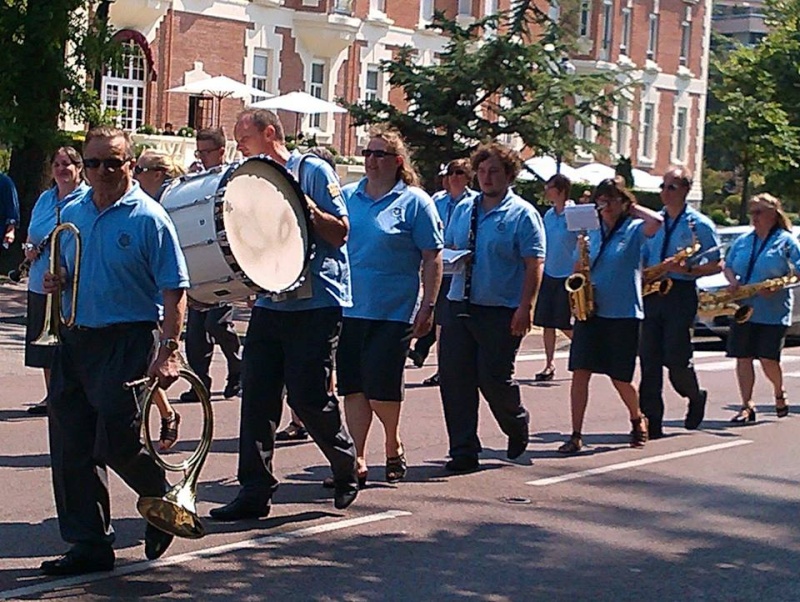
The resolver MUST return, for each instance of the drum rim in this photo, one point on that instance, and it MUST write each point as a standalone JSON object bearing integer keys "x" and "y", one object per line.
{"x": 219, "y": 225}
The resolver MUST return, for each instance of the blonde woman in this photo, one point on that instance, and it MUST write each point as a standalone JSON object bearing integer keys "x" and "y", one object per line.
{"x": 154, "y": 169}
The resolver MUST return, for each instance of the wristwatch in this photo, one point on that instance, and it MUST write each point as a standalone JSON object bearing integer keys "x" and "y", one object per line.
{"x": 171, "y": 344}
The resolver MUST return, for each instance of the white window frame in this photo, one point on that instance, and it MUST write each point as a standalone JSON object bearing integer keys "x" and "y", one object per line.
{"x": 317, "y": 88}
{"x": 426, "y": 10}
{"x": 124, "y": 91}
{"x": 554, "y": 10}
{"x": 622, "y": 129}
{"x": 583, "y": 132}
{"x": 625, "y": 41}
{"x": 607, "y": 30}
{"x": 377, "y": 7}
{"x": 647, "y": 146}
{"x": 375, "y": 93}
{"x": 680, "y": 138}
{"x": 652, "y": 36}
{"x": 464, "y": 8}
{"x": 585, "y": 19}
{"x": 259, "y": 80}
{"x": 686, "y": 38}
{"x": 490, "y": 7}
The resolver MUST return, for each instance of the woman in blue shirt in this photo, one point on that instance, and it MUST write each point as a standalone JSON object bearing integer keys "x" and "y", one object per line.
{"x": 607, "y": 342}
{"x": 552, "y": 304}
{"x": 770, "y": 250}
{"x": 68, "y": 183}
{"x": 394, "y": 229}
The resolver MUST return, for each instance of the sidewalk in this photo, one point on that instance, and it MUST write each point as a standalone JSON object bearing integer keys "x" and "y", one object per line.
{"x": 13, "y": 300}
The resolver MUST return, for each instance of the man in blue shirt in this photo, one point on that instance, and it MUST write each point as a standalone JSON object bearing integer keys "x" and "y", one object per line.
{"x": 291, "y": 341}
{"x": 491, "y": 307}
{"x": 9, "y": 210}
{"x": 666, "y": 330}
{"x": 130, "y": 260}
{"x": 457, "y": 178}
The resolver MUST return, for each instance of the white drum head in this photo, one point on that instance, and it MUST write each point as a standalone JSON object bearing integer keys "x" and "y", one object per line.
{"x": 265, "y": 225}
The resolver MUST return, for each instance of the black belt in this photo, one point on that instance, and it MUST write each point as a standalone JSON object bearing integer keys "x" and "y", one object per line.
{"x": 112, "y": 328}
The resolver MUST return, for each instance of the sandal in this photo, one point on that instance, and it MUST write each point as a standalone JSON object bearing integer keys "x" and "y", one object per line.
{"x": 292, "y": 432}
{"x": 396, "y": 468}
{"x": 782, "y": 410}
{"x": 545, "y": 375}
{"x": 638, "y": 431}
{"x": 329, "y": 483}
{"x": 573, "y": 446}
{"x": 747, "y": 414}
{"x": 169, "y": 431}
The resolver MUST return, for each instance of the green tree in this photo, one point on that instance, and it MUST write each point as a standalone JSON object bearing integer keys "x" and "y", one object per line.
{"x": 749, "y": 122}
{"x": 506, "y": 74}
{"x": 48, "y": 47}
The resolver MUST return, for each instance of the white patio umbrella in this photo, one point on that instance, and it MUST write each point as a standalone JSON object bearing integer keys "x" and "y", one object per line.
{"x": 219, "y": 87}
{"x": 545, "y": 168}
{"x": 594, "y": 173}
{"x": 645, "y": 181}
{"x": 300, "y": 103}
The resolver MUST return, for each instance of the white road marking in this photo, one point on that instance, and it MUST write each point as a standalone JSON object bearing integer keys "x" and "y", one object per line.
{"x": 563, "y": 355}
{"x": 730, "y": 363}
{"x": 636, "y": 463}
{"x": 141, "y": 567}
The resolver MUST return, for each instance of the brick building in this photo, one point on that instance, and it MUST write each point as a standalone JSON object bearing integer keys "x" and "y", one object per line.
{"x": 332, "y": 48}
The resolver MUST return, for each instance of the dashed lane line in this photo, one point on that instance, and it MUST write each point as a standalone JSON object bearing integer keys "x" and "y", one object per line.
{"x": 571, "y": 476}
{"x": 141, "y": 567}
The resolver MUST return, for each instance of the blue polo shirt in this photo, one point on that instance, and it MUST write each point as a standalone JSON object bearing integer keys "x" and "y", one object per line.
{"x": 329, "y": 269}
{"x": 559, "y": 261}
{"x": 680, "y": 238}
{"x": 617, "y": 275}
{"x": 43, "y": 220}
{"x": 506, "y": 235}
{"x": 445, "y": 203}
{"x": 129, "y": 254}
{"x": 781, "y": 250}
{"x": 387, "y": 238}
{"x": 9, "y": 202}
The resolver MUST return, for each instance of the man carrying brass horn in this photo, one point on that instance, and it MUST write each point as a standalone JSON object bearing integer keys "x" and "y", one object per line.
{"x": 129, "y": 259}
{"x": 666, "y": 338}
{"x": 769, "y": 251}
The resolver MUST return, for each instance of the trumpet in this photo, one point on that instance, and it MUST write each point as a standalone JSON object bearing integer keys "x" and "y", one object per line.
{"x": 653, "y": 278}
{"x": 579, "y": 284}
{"x": 53, "y": 316}
{"x": 176, "y": 511}
{"x": 722, "y": 303}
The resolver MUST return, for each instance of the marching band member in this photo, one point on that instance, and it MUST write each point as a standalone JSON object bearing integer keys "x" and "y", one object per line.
{"x": 458, "y": 176}
{"x": 130, "y": 263}
{"x": 292, "y": 341}
{"x": 491, "y": 307}
{"x": 395, "y": 229}
{"x": 607, "y": 342}
{"x": 552, "y": 305}
{"x": 67, "y": 171}
{"x": 154, "y": 170}
{"x": 769, "y": 251}
{"x": 666, "y": 338}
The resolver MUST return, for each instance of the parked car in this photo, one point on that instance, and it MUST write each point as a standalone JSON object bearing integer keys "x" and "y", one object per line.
{"x": 720, "y": 325}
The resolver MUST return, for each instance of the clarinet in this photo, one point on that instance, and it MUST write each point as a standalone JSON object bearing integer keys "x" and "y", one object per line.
{"x": 473, "y": 231}
{"x": 23, "y": 268}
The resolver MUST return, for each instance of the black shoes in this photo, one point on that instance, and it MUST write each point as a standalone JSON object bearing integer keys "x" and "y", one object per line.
{"x": 40, "y": 409}
{"x": 416, "y": 357}
{"x": 233, "y": 387}
{"x": 696, "y": 413}
{"x": 744, "y": 415}
{"x": 432, "y": 381}
{"x": 516, "y": 447}
{"x": 156, "y": 542}
{"x": 345, "y": 493}
{"x": 462, "y": 464}
{"x": 545, "y": 375}
{"x": 655, "y": 431}
{"x": 573, "y": 445}
{"x": 81, "y": 560}
{"x": 241, "y": 508}
{"x": 292, "y": 432}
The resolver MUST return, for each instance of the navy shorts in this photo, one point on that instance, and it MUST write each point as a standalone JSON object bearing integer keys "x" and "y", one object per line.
{"x": 552, "y": 305}
{"x": 762, "y": 341}
{"x": 606, "y": 346}
{"x": 371, "y": 358}
{"x": 36, "y": 356}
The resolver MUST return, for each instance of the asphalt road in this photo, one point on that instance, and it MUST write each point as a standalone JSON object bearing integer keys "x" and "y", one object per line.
{"x": 705, "y": 515}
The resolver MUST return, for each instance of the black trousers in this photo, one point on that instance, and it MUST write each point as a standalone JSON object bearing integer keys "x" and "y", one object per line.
{"x": 666, "y": 341}
{"x": 295, "y": 349}
{"x": 203, "y": 329}
{"x": 94, "y": 423}
{"x": 477, "y": 355}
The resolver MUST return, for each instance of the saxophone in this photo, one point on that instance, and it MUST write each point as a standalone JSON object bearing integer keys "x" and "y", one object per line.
{"x": 579, "y": 285}
{"x": 722, "y": 303}
{"x": 653, "y": 278}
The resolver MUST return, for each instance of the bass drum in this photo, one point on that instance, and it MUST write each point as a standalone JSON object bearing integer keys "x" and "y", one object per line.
{"x": 243, "y": 228}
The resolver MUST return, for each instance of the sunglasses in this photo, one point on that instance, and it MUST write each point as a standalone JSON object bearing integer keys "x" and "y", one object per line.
{"x": 112, "y": 163}
{"x": 378, "y": 154}
{"x": 457, "y": 172}
{"x": 672, "y": 187}
{"x": 140, "y": 170}
{"x": 199, "y": 153}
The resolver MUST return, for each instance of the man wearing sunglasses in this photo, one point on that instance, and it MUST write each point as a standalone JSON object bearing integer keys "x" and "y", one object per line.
{"x": 131, "y": 265}
{"x": 205, "y": 326}
{"x": 291, "y": 341}
{"x": 456, "y": 181}
{"x": 666, "y": 331}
